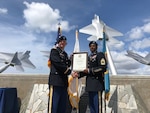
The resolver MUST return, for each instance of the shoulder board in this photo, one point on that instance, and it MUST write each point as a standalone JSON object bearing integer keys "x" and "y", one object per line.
{"x": 54, "y": 47}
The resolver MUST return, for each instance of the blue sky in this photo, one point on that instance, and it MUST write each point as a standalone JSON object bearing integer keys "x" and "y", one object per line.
{"x": 32, "y": 25}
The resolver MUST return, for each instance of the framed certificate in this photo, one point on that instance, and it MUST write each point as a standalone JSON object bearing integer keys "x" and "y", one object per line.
{"x": 79, "y": 61}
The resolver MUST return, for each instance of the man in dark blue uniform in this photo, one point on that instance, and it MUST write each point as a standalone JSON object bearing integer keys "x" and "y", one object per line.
{"x": 94, "y": 76}
{"x": 58, "y": 78}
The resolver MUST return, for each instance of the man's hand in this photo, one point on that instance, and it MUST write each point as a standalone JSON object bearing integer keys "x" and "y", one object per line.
{"x": 74, "y": 74}
{"x": 86, "y": 71}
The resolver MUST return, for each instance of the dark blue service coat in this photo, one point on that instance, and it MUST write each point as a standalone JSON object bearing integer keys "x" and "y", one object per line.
{"x": 59, "y": 69}
{"x": 97, "y": 65}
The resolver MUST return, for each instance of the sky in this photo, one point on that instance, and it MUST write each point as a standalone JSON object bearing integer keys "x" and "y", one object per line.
{"x": 32, "y": 25}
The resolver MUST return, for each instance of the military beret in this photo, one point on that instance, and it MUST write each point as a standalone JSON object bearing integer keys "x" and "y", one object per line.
{"x": 93, "y": 42}
{"x": 61, "y": 38}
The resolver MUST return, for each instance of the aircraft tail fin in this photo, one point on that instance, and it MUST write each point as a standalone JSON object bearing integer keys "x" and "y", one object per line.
{"x": 24, "y": 59}
{"x": 26, "y": 53}
{"x": 15, "y": 60}
{"x": 147, "y": 57}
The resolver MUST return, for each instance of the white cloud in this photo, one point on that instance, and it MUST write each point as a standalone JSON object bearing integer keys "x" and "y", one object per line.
{"x": 3, "y": 11}
{"x": 136, "y": 33}
{"x": 139, "y": 32}
{"x": 146, "y": 28}
{"x": 116, "y": 46}
{"x": 41, "y": 17}
{"x": 15, "y": 38}
{"x": 140, "y": 44}
{"x": 146, "y": 20}
{"x": 144, "y": 70}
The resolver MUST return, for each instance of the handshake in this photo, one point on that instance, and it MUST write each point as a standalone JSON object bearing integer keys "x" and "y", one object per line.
{"x": 75, "y": 74}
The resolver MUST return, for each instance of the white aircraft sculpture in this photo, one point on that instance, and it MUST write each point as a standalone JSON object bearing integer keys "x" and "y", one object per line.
{"x": 139, "y": 58}
{"x": 10, "y": 62}
{"x": 46, "y": 53}
{"x": 96, "y": 31}
{"x": 17, "y": 60}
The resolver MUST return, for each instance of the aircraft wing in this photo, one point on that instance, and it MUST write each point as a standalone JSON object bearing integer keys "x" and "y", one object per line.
{"x": 27, "y": 63}
{"x": 7, "y": 54}
{"x": 92, "y": 38}
{"x": 137, "y": 57}
{"x": 112, "y": 32}
{"x": 19, "y": 67}
{"x": 111, "y": 39}
{"x": 130, "y": 54}
{"x": 24, "y": 58}
{"x": 11, "y": 58}
{"x": 17, "y": 63}
{"x": 46, "y": 53}
{"x": 147, "y": 57}
{"x": 90, "y": 29}
{"x": 6, "y": 57}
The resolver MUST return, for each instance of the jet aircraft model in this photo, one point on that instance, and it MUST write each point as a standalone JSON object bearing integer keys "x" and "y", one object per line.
{"x": 96, "y": 31}
{"x": 17, "y": 60}
{"x": 139, "y": 58}
{"x": 10, "y": 62}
